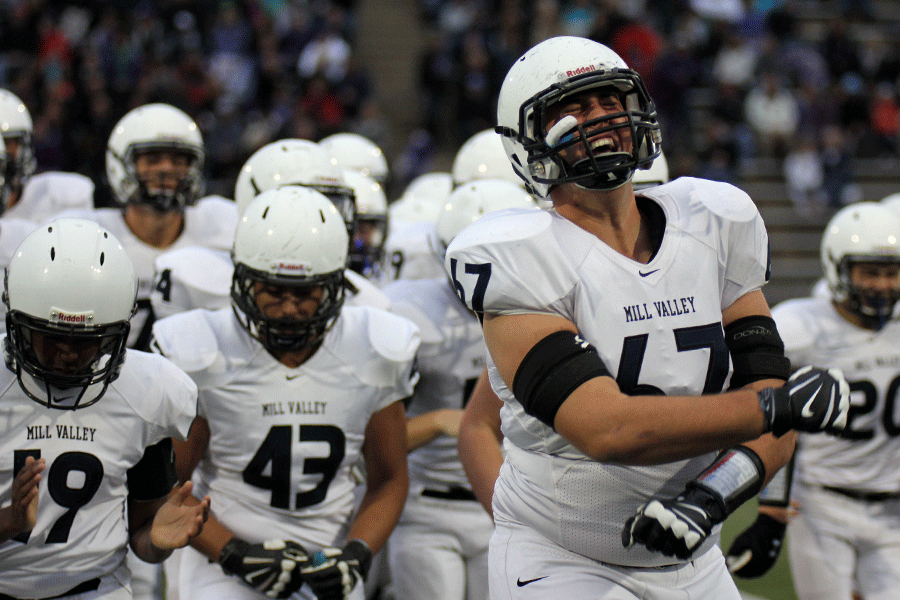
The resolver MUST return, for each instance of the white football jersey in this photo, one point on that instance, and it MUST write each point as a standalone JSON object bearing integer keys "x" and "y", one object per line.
{"x": 656, "y": 326}
{"x": 409, "y": 252}
{"x": 866, "y": 455}
{"x": 283, "y": 440}
{"x": 211, "y": 223}
{"x": 197, "y": 277}
{"x": 46, "y": 195}
{"x": 450, "y": 359}
{"x": 81, "y": 526}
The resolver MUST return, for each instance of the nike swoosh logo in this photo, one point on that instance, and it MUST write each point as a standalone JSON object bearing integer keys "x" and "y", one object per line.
{"x": 648, "y": 273}
{"x": 521, "y": 583}
{"x": 806, "y": 413}
{"x": 289, "y": 377}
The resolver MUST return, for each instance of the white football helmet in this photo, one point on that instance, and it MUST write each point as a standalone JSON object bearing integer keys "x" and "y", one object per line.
{"x": 295, "y": 162}
{"x": 892, "y": 201}
{"x": 357, "y": 153}
{"x": 15, "y": 122}
{"x": 294, "y": 237}
{"x": 154, "y": 127}
{"x": 556, "y": 69}
{"x": 423, "y": 198}
{"x": 367, "y": 245}
{"x": 482, "y": 157}
{"x": 471, "y": 201}
{"x": 861, "y": 232}
{"x": 70, "y": 283}
{"x": 657, "y": 174}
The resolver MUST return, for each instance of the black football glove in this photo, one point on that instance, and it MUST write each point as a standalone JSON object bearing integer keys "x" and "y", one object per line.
{"x": 332, "y": 573}
{"x": 754, "y": 552}
{"x": 812, "y": 400}
{"x": 676, "y": 526}
{"x": 272, "y": 567}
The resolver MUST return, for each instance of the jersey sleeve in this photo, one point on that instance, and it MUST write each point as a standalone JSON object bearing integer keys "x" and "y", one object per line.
{"x": 512, "y": 262}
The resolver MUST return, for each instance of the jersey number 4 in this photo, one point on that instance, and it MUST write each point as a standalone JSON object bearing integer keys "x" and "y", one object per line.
{"x": 276, "y": 451}
{"x": 58, "y": 479}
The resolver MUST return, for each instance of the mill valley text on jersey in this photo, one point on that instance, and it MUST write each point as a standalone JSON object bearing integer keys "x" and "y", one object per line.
{"x": 663, "y": 308}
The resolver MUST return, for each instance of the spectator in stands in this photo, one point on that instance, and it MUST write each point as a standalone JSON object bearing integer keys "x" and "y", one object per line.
{"x": 772, "y": 112}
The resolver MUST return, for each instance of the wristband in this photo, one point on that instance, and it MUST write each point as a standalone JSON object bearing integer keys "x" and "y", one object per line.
{"x": 736, "y": 476}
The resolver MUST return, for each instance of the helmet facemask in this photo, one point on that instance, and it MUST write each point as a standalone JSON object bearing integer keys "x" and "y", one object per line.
{"x": 18, "y": 169}
{"x": 285, "y": 334}
{"x": 367, "y": 244}
{"x": 596, "y": 171}
{"x": 875, "y": 308}
{"x": 185, "y": 193}
{"x": 76, "y": 386}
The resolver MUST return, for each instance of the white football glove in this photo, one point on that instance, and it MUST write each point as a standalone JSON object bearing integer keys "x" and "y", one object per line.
{"x": 272, "y": 567}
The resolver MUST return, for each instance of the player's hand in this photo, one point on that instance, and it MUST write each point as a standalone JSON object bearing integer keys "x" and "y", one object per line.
{"x": 812, "y": 400}
{"x": 23, "y": 509}
{"x": 676, "y": 526}
{"x": 756, "y": 549}
{"x": 176, "y": 523}
{"x": 271, "y": 568}
{"x": 332, "y": 573}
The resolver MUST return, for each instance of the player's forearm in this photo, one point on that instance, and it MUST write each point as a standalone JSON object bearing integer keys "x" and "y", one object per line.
{"x": 645, "y": 430}
{"x": 380, "y": 510}
{"x": 145, "y": 549}
{"x": 421, "y": 430}
{"x": 481, "y": 455}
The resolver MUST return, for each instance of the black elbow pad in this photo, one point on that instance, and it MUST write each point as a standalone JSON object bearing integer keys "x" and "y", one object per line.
{"x": 757, "y": 351}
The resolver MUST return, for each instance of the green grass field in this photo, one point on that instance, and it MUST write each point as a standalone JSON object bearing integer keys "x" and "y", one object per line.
{"x": 776, "y": 584}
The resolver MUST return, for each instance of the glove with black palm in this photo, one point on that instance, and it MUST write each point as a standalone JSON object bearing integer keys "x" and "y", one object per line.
{"x": 332, "y": 573}
{"x": 812, "y": 400}
{"x": 272, "y": 567}
{"x": 755, "y": 550}
{"x": 676, "y": 526}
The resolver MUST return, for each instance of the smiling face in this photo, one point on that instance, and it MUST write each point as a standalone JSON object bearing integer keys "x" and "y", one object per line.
{"x": 604, "y": 136}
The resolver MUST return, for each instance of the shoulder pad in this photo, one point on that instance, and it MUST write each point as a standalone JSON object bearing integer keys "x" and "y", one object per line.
{"x": 406, "y": 300}
{"x": 798, "y": 323}
{"x": 722, "y": 199}
{"x": 366, "y": 294}
{"x": 379, "y": 346}
{"x": 187, "y": 340}
{"x": 189, "y": 278}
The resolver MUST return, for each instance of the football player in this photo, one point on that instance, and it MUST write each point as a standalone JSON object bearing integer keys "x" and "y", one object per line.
{"x": 154, "y": 164}
{"x": 594, "y": 310}
{"x": 26, "y": 196}
{"x": 86, "y": 452}
{"x": 294, "y": 388}
{"x": 196, "y": 277}
{"x": 847, "y": 535}
{"x": 439, "y": 548}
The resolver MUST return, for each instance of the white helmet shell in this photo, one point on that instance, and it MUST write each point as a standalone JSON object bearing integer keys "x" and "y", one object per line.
{"x": 892, "y": 201}
{"x": 557, "y": 68}
{"x": 482, "y": 157}
{"x": 370, "y": 199}
{"x": 471, "y": 201}
{"x": 291, "y": 231}
{"x": 860, "y": 232}
{"x": 294, "y": 162}
{"x": 357, "y": 153}
{"x": 15, "y": 122}
{"x": 72, "y": 270}
{"x": 153, "y": 127}
{"x": 423, "y": 199}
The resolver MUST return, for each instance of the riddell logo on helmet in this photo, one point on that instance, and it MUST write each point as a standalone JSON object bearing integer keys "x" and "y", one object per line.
{"x": 581, "y": 70}
{"x": 284, "y": 267}
{"x": 61, "y": 316}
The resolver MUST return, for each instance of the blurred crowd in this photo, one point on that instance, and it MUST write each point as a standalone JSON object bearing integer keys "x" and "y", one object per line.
{"x": 811, "y": 83}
